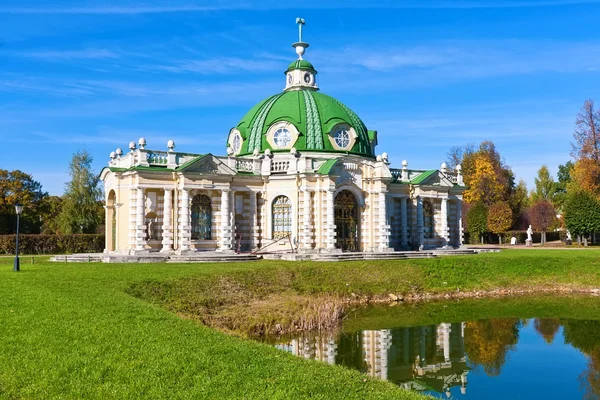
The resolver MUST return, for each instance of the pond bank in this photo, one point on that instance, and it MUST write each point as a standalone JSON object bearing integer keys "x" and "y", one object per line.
{"x": 294, "y": 296}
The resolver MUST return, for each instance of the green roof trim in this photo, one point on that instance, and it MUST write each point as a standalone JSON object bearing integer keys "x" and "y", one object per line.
{"x": 327, "y": 166}
{"x": 423, "y": 176}
{"x": 314, "y": 133}
{"x": 300, "y": 64}
{"x": 372, "y": 135}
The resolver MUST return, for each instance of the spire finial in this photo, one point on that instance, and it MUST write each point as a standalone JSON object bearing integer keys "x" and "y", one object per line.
{"x": 300, "y": 45}
{"x": 300, "y": 22}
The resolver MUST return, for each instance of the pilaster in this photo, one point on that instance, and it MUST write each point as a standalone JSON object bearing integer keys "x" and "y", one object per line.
{"x": 404, "y": 222}
{"x": 226, "y": 228}
{"x": 444, "y": 227}
{"x": 167, "y": 228}
{"x": 185, "y": 232}
{"x": 140, "y": 227}
{"x": 420, "y": 224}
{"x": 384, "y": 227}
{"x": 330, "y": 208}
{"x": 307, "y": 227}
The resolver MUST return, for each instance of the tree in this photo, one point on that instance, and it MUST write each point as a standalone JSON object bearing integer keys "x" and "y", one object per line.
{"x": 545, "y": 186}
{"x": 18, "y": 186}
{"x": 542, "y": 216}
{"x": 457, "y": 154}
{"x": 518, "y": 202}
{"x": 585, "y": 175}
{"x": 82, "y": 208}
{"x": 587, "y": 133}
{"x": 499, "y": 219}
{"x": 483, "y": 184}
{"x": 477, "y": 220}
{"x": 50, "y": 209}
{"x": 582, "y": 214}
{"x": 564, "y": 179}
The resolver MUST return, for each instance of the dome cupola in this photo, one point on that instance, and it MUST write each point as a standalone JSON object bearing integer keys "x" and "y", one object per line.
{"x": 300, "y": 74}
{"x": 301, "y": 118}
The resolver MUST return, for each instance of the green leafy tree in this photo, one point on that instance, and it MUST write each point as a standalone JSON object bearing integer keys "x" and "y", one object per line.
{"x": 564, "y": 179}
{"x": 82, "y": 207}
{"x": 50, "y": 209}
{"x": 542, "y": 216}
{"x": 545, "y": 186}
{"x": 499, "y": 219}
{"x": 582, "y": 214}
{"x": 518, "y": 202}
{"x": 18, "y": 186}
{"x": 477, "y": 221}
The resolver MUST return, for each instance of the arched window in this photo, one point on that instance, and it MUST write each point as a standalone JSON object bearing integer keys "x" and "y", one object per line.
{"x": 282, "y": 217}
{"x": 428, "y": 219}
{"x": 201, "y": 217}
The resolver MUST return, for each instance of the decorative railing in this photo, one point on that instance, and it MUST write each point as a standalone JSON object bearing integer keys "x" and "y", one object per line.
{"x": 396, "y": 174}
{"x": 156, "y": 158}
{"x": 244, "y": 165}
{"x": 280, "y": 166}
{"x": 452, "y": 176}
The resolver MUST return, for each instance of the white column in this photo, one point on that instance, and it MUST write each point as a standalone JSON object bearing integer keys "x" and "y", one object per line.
{"x": 184, "y": 221}
{"x": 167, "y": 228}
{"x": 107, "y": 229}
{"x": 404, "y": 221}
{"x": 226, "y": 229}
{"x": 330, "y": 208}
{"x": 420, "y": 225}
{"x": 132, "y": 231}
{"x": 140, "y": 227}
{"x": 255, "y": 228}
{"x": 446, "y": 340}
{"x": 461, "y": 236}
{"x": 384, "y": 228}
{"x": 445, "y": 230}
{"x": 306, "y": 218}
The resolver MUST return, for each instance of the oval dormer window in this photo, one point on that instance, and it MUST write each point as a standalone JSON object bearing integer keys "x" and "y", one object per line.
{"x": 342, "y": 137}
{"x": 237, "y": 143}
{"x": 282, "y": 137}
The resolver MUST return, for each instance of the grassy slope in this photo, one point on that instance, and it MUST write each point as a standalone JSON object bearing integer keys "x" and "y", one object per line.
{"x": 72, "y": 331}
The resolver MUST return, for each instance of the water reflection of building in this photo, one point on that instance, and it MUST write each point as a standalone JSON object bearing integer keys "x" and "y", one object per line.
{"x": 322, "y": 348}
{"x": 423, "y": 358}
{"x": 418, "y": 358}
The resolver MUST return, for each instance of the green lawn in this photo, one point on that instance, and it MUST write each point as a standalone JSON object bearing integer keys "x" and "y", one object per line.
{"x": 76, "y": 330}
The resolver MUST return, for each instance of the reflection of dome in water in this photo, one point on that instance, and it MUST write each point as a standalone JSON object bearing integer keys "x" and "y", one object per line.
{"x": 301, "y": 118}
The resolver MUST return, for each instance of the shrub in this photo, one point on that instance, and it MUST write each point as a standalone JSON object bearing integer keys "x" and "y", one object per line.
{"x": 53, "y": 244}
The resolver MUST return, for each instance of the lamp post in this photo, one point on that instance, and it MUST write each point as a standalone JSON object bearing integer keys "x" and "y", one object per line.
{"x": 18, "y": 210}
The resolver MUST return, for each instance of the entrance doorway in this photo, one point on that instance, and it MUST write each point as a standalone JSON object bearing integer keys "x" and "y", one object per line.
{"x": 347, "y": 221}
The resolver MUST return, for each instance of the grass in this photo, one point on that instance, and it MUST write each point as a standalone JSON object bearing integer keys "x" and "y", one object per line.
{"x": 112, "y": 330}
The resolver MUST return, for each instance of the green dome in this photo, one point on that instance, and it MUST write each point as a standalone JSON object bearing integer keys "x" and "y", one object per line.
{"x": 300, "y": 64}
{"x": 313, "y": 114}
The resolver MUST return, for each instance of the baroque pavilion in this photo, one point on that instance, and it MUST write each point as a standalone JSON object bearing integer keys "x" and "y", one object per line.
{"x": 301, "y": 174}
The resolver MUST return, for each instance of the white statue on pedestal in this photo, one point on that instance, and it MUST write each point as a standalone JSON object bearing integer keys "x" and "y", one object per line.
{"x": 529, "y": 233}
{"x": 569, "y": 236}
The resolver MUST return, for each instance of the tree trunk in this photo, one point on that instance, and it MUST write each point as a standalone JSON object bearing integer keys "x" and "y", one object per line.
{"x": 543, "y": 238}
{"x": 579, "y": 240}
{"x": 585, "y": 243}
{"x": 499, "y": 239}
{"x": 482, "y": 238}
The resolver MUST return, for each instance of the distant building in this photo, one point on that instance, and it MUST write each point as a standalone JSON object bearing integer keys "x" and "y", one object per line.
{"x": 301, "y": 170}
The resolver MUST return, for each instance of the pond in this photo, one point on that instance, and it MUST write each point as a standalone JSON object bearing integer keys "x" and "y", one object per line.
{"x": 525, "y": 348}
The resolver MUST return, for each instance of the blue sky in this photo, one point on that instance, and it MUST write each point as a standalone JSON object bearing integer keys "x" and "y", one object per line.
{"x": 428, "y": 75}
